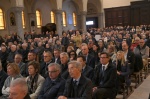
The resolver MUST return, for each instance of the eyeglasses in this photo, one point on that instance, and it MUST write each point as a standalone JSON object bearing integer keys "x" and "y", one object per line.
{"x": 52, "y": 71}
{"x": 46, "y": 56}
{"x": 103, "y": 57}
{"x": 72, "y": 54}
{"x": 141, "y": 42}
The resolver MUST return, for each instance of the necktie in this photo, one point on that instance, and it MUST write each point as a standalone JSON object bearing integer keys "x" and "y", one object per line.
{"x": 75, "y": 89}
{"x": 75, "y": 82}
{"x": 102, "y": 73}
{"x": 103, "y": 70}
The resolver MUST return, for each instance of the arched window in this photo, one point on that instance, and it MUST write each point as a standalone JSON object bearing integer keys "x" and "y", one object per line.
{"x": 74, "y": 19}
{"x": 64, "y": 19}
{"x": 38, "y": 19}
{"x": 23, "y": 19}
{"x": 52, "y": 17}
{"x": 1, "y": 19}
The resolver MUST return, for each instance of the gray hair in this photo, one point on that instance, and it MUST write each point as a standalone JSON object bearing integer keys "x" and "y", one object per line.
{"x": 20, "y": 82}
{"x": 57, "y": 66}
{"x": 65, "y": 54}
{"x": 76, "y": 64}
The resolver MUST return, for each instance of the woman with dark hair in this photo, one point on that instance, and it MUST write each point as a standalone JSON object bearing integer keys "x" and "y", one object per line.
{"x": 34, "y": 80}
{"x": 72, "y": 55}
{"x": 102, "y": 47}
{"x": 95, "y": 53}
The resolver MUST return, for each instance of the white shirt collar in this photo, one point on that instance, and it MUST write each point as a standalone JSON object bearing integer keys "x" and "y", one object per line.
{"x": 106, "y": 65}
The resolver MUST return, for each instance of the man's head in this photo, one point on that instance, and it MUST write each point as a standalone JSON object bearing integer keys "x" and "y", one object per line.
{"x": 90, "y": 43}
{"x": 82, "y": 60}
{"x": 56, "y": 53}
{"x": 13, "y": 48}
{"x": 47, "y": 56}
{"x": 110, "y": 48}
{"x": 3, "y": 48}
{"x": 137, "y": 39}
{"x": 24, "y": 46}
{"x": 74, "y": 69}
{"x": 104, "y": 58}
{"x": 18, "y": 58}
{"x": 31, "y": 56}
{"x": 54, "y": 70}
{"x": 141, "y": 43}
{"x": 125, "y": 46}
{"x": 64, "y": 58}
{"x": 84, "y": 49}
{"x": 18, "y": 89}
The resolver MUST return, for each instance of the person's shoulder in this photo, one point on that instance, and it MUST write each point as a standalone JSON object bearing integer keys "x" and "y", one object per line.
{"x": 41, "y": 77}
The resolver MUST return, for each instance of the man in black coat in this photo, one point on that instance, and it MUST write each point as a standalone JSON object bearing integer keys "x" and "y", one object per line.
{"x": 90, "y": 60}
{"x": 44, "y": 65}
{"x": 104, "y": 78}
{"x": 87, "y": 71}
{"x": 64, "y": 58}
{"x": 56, "y": 57}
{"x": 129, "y": 56}
{"x": 78, "y": 86}
{"x": 53, "y": 86}
{"x": 3, "y": 57}
{"x": 65, "y": 41}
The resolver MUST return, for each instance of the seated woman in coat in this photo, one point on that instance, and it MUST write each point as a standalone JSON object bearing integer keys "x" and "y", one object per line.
{"x": 13, "y": 72}
{"x": 34, "y": 80}
{"x": 123, "y": 69}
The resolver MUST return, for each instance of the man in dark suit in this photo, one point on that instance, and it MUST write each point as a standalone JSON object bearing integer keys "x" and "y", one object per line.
{"x": 44, "y": 65}
{"x": 3, "y": 56}
{"x": 104, "y": 78}
{"x": 129, "y": 56}
{"x": 64, "y": 58}
{"x": 18, "y": 61}
{"x": 31, "y": 57}
{"x": 87, "y": 71}
{"x": 65, "y": 41}
{"x": 3, "y": 77}
{"x": 90, "y": 61}
{"x": 53, "y": 86}
{"x": 56, "y": 57}
{"x": 78, "y": 86}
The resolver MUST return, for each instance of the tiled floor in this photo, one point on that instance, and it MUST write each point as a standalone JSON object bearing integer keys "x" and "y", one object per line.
{"x": 142, "y": 92}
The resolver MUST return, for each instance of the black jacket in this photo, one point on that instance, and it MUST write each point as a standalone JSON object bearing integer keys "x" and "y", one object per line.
{"x": 84, "y": 89}
{"x": 3, "y": 77}
{"x": 52, "y": 89}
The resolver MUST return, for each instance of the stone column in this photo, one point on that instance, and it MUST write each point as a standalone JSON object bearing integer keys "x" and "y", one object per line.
{"x": 58, "y": 14}
{"x": 19, "y": 25}
{"x": 83, "y": 21}
{"x": 101, "y": 20}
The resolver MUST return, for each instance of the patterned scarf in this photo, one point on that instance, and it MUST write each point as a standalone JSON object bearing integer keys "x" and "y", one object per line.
{"x": 32, "y": 83}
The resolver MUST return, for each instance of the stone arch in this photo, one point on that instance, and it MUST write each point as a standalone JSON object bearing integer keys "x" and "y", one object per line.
{"x": 91, "y": 9}
{"x": 97, "y": 5}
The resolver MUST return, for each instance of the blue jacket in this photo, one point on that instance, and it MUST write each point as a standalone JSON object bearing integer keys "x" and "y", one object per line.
{"x": 52, "y": 89}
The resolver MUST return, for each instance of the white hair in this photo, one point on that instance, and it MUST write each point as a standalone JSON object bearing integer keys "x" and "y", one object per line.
{"x": 20, "y": 82}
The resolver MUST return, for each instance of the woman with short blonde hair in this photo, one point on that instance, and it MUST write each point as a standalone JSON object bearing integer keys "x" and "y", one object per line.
{"x": 13, "y": 72}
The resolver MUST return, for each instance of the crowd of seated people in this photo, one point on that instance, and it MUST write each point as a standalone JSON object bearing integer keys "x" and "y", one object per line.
{"x": 74, "y": 65}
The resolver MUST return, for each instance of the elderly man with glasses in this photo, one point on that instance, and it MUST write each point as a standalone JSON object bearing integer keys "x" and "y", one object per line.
{"x": 54, "y": 84}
